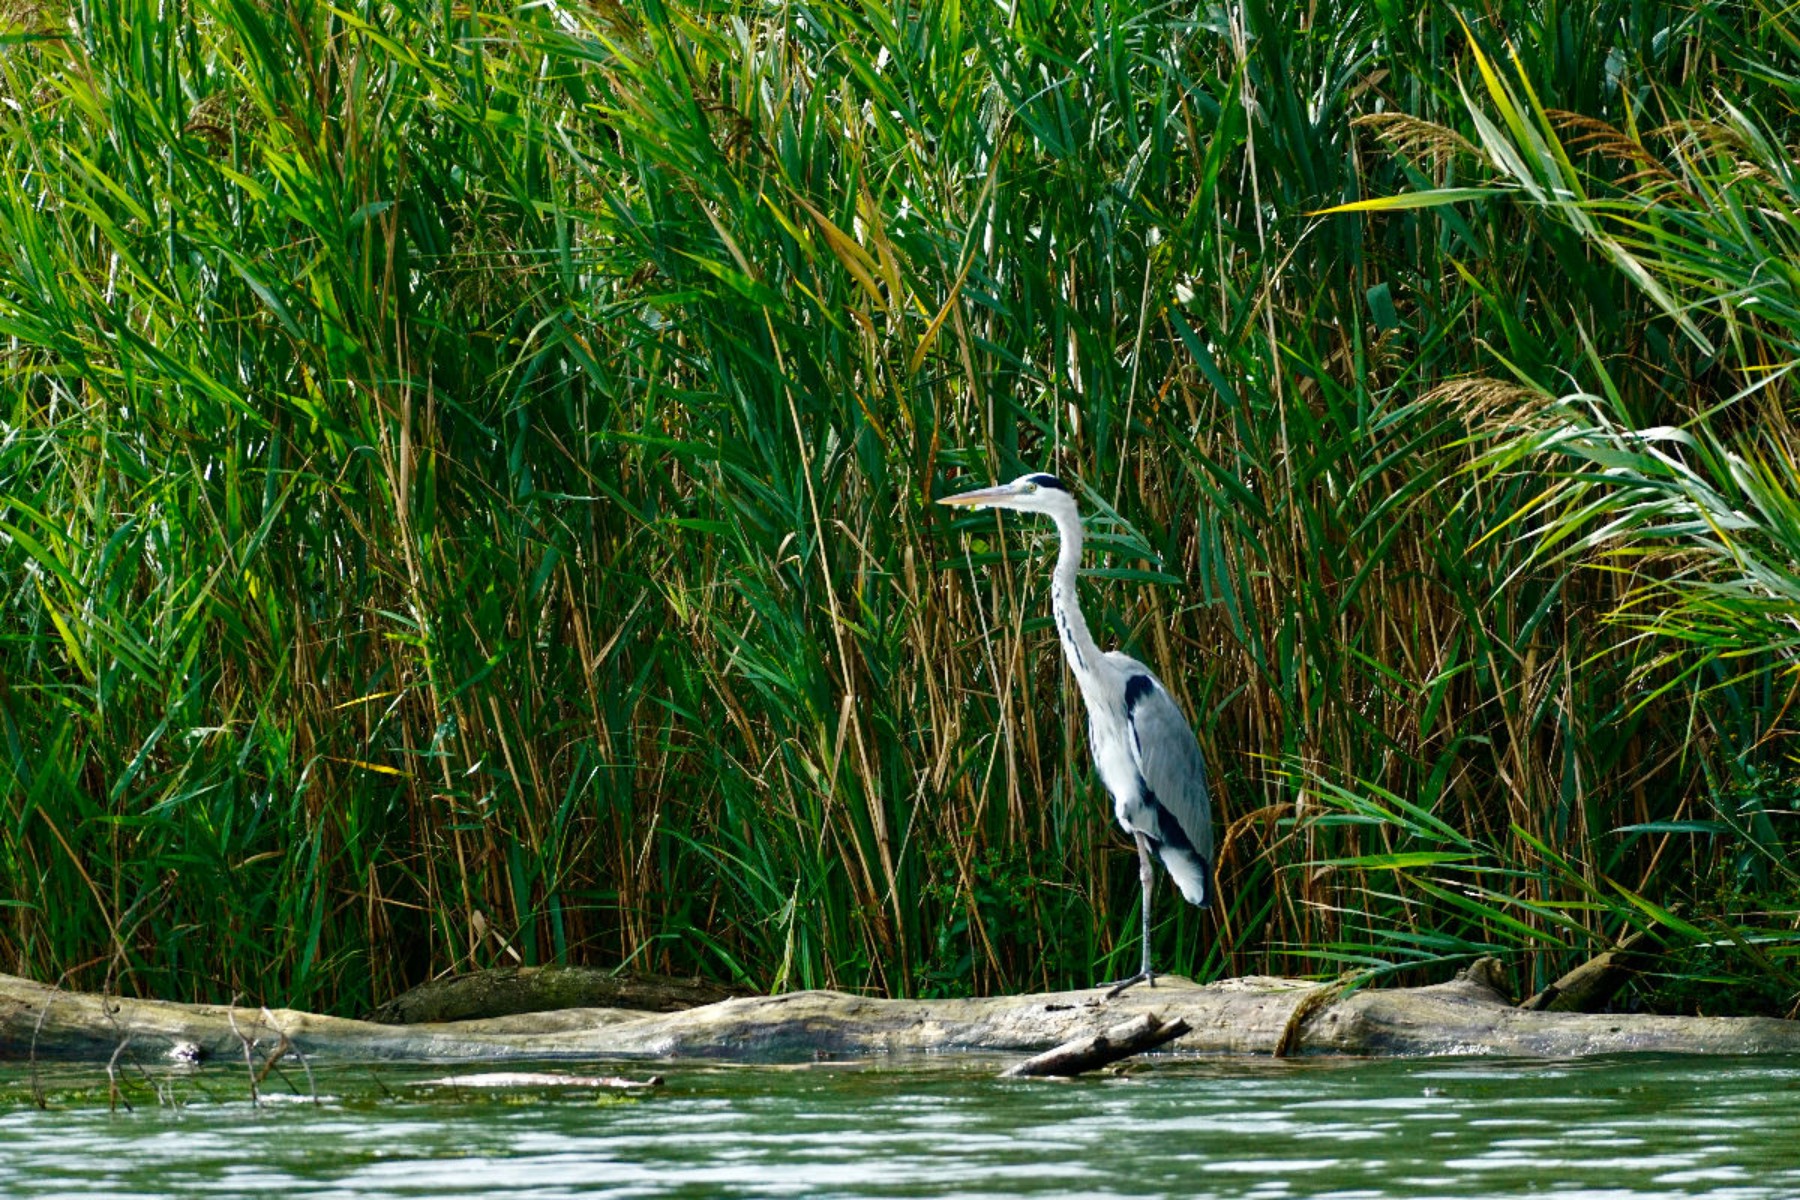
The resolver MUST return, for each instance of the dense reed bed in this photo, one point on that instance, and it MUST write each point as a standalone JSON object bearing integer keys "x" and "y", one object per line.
{"x": 465, "y": 479}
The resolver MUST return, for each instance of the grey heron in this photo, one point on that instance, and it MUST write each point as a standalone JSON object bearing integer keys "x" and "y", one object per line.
{"x": 1144, "y": 749}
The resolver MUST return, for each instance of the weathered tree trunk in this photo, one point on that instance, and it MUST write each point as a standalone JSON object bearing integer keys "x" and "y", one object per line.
{"x": 1240, "y": 1016}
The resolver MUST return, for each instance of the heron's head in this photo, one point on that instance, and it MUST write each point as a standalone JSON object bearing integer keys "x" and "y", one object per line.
{"x": 1028, "y": 493}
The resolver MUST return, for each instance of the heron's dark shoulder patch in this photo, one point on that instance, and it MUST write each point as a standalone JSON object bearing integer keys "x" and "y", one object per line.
{"x": 1137, "y": 690}
{"x": 1048, "y": 481}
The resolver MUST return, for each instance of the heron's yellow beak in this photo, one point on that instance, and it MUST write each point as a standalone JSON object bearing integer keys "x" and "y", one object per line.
{"x": 980, "y": 498}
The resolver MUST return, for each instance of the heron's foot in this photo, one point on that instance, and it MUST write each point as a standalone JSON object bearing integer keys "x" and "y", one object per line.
{"x": 1114, "y": 991}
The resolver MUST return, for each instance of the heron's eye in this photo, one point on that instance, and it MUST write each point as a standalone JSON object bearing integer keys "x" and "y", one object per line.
{"x": 1030, "y": 487}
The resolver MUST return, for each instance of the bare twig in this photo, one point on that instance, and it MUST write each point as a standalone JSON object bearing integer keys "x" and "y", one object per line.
{"x": 286, "y": 1045}
{"x": 110, "y": 1011}
{"x": 114, "y": 1095}
{"x": 281, "y": 1047}
{"x": 37, "y": 1085}
{"x": 249, "y": 1062}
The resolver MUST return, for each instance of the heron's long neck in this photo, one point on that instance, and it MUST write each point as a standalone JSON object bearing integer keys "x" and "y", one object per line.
{"x": 1071, "y": 626}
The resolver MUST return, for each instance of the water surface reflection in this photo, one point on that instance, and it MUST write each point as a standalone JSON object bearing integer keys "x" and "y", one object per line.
{"x": 1346, "y": 1130}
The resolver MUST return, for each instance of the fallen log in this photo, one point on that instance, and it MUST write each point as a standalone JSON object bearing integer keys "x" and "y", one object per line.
{"x": 1241, "y": 1016}
{"x": 1595, "y": 982}
{"x": 1096, "y": 1050}
{"x": 504, "y": 991}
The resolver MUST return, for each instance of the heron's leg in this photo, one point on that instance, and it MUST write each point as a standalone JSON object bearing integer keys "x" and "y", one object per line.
{"x": 1147, "y": 878}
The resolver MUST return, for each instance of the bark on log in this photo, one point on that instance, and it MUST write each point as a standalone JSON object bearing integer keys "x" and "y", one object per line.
{"x": 1084, "y": 1054}
{"x": 1240, "y": 1016}
{"x": 504, "y": 991}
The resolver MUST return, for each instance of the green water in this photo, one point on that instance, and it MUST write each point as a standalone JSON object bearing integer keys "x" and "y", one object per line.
{"x": 1349, "y": 1130}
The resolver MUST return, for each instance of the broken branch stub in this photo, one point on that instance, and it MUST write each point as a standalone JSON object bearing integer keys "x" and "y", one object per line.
{"x": 1593, "y": 984}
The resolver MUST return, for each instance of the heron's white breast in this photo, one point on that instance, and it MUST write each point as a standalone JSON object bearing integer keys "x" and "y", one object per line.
{"x": 1117, "y": 768}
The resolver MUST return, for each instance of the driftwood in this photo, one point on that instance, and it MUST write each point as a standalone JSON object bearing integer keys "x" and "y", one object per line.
{"x": 507, "y": 1080}
{"x": 1598, "y": 980}
{"x": 1242, "y": 1016}
{"x": 505, "y": 991}
{"x": 1084, "y": 1054}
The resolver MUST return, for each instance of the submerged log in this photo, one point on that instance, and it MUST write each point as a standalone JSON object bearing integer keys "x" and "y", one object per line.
{"x": 1084, "y": 1054}
{"x": 504, "y": 991}
{"x": 1239, "y": 1016}
{"x": 509, "y": 1080}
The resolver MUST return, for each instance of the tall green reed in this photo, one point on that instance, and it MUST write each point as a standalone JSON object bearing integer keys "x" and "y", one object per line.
{"x": 467, "y": 472}
{"x": 1682, "y": 494}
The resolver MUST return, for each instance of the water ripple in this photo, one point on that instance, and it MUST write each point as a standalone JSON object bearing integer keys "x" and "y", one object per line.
{"x": 1631, "y": 1129}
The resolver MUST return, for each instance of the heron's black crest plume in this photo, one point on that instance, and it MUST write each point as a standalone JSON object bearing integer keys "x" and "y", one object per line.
{"x": 1048, "y": 481}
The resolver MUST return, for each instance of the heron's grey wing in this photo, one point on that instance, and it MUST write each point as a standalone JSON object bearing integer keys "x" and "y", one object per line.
{"x": 1169, "y": 761}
